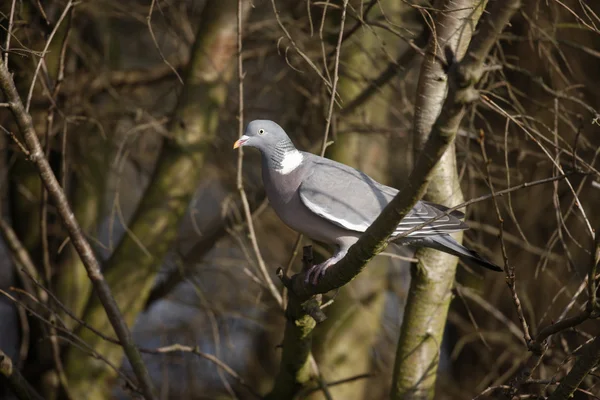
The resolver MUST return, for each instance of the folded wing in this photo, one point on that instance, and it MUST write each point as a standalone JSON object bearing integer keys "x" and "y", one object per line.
{"x": 352, "y": 200}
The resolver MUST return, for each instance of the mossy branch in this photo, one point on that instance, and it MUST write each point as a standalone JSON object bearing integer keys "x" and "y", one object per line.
{"x": 301, "y": 316}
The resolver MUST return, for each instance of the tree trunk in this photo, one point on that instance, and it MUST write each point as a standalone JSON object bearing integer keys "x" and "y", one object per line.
{"x": 419, "y": 346}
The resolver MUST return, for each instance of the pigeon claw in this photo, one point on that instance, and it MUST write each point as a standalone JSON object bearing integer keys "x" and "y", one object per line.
{"x": 315, "y": 272}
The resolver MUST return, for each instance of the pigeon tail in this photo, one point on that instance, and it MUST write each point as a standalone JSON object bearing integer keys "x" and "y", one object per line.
{"x": 448, "y": 244}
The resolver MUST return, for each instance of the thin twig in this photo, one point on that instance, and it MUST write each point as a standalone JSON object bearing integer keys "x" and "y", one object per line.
{"x": 395, "y": 69}
{"x": 149, "y": 23}
{"x": 42, "y": 11}
{"x": 336, "y": 68}
{"x": 95, "y": 83}
{"x": 179, "y": 348}
{"x": 288, "y": 266}
{"x": 509, "y": 268}
{"x": 240, "y": 183}
{"x": 71, "y": 337}
{"x": 21, "y": 256}
{"x": 361, "y": 20}
{"x": 495, "y": 106}
{"x": 595, "y": 264}
{"x": 300, "y": 52}
{"x": 9, "y": 31}
{"x": 305, "y": 393}
{"x": 588, "y": 357}
{"x": 79, "y": 241}
{"x": 489, "y": 196}
{"x": 67, "y": 9}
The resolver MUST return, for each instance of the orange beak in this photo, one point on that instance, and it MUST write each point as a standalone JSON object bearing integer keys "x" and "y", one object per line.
{"x": 240, "y": 141}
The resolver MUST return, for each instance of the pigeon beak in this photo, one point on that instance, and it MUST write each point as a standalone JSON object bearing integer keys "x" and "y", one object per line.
{"x": 240, "y": 142}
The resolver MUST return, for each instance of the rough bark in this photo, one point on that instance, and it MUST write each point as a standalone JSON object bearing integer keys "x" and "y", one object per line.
{"x": 132, "y": 267}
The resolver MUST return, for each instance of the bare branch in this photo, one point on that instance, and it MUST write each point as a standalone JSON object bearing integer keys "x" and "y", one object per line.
{"x": 239, "y": 181}
{"x": 149, "y": 23}
{"x": 294, "y": 371}
{"x": 336, "y": 78}
{"x": 396, "y": 69}
{"x": 179, "y": 348}
{"x": 81, "y": 244}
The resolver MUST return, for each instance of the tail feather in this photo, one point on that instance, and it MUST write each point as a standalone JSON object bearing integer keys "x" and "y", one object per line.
{"x": 447, "y": 244}
{"x": 455, "y": 213}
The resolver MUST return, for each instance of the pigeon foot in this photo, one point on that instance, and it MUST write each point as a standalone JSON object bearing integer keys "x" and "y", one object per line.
{"x": 316, "y": 272}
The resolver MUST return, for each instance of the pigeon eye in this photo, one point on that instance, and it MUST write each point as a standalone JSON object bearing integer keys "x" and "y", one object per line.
{"x": 261, "y": 132}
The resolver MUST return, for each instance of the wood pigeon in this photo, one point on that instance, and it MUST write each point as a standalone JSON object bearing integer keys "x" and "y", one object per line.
{"x": 334, "y": 203}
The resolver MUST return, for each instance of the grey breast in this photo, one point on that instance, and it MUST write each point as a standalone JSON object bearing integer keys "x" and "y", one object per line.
{"x": 282, "y": 192}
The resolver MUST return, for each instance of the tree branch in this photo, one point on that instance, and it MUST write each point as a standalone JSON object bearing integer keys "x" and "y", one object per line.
{"x": 301, "y": 316}
{"x": 17, "y": 383}
{"x": 95, "y": 83}
{"x": 80, "y": 243}
{"x": 592, "y": 309}
{"x": 195, "y": 255}
{"x": 179, "y": 348}
{"x": 22, "y": 258}
{"x": 589, "y": 356}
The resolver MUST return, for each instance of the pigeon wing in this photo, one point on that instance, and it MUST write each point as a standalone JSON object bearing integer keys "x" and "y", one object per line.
{"x": 352, "y": 200}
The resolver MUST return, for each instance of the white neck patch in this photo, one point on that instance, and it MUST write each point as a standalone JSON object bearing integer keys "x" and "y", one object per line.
{"x": 291, "y": 160}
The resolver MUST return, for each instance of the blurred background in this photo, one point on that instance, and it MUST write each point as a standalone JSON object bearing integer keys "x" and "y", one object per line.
{"x": 137, "y": 104}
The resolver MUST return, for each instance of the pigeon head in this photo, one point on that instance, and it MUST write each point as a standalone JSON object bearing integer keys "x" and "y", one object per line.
{"x": 276, "y": 147}
{"x": 263, "y": 134}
